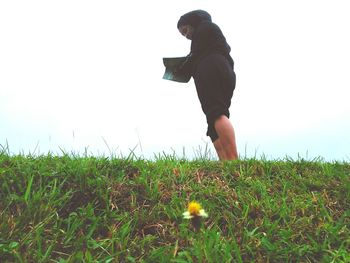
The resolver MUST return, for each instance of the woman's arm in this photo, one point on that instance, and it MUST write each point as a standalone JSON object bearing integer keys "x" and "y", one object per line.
{"x": 186, "y": 67}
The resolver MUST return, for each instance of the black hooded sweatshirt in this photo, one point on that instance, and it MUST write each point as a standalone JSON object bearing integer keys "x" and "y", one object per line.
{"x": 207, "y": 39}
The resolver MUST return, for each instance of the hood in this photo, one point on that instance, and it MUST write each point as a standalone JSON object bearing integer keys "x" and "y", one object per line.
{"x": 194, "y": 18}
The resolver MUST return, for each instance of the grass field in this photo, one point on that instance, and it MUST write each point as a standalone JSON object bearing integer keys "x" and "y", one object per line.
{"x": 87, "y": 209}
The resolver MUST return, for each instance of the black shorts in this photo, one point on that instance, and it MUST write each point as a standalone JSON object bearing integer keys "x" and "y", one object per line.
{"x": 215, "y": 82}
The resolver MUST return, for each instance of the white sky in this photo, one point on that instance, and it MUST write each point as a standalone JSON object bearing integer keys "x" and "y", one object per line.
{"x": 83, "y": 74}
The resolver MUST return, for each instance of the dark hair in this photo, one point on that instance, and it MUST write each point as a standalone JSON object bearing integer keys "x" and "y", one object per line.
{"x": 193, "y": 18}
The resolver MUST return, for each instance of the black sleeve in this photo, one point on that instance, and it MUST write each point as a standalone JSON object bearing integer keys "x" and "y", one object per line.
{"x": 185, "y": 69}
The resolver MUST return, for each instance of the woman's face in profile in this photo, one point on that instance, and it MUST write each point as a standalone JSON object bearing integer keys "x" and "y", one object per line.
{"x": 187, "y": 31}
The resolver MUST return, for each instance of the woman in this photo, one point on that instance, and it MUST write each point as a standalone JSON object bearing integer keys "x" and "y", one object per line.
{"x": 212, "y": 69}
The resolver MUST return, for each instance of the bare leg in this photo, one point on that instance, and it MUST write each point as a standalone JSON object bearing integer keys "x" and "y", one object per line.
{"x": 227, "y": 141}
{"x": 219, "y": 149}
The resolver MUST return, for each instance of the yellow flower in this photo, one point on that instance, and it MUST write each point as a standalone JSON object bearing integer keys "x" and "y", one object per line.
{"x": 194, "y": 209}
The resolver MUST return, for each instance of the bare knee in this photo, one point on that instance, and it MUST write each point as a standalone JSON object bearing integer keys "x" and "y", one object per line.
{"x": 220, "y": 119}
